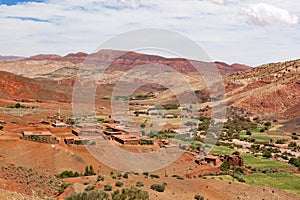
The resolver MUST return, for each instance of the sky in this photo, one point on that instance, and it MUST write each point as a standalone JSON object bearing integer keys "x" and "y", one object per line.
{"x": 251, "y": 32}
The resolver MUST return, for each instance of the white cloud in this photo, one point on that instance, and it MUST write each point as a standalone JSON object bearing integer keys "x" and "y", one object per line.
{"x": 132, "y": 3}
{"x": 61, "y": 27}
{"x": 222, "y": 2}
{"x": 265, "y": 14}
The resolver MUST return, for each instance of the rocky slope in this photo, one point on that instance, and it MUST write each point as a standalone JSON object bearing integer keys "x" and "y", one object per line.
{"x": 269, "y": 90}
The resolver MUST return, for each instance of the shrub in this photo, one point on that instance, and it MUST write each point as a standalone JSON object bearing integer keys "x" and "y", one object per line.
{"x": 154, "y": 176}
{"x": 236, "y": 153}
{"x": 295, "y": 161}
{"x": 293, "y": 137}
{"x": 132, "y": 193}
{"x": 268, "y": 123}
{"x": 119, "y": 184}
{"x": 107, "y": 187}
{"x": 139, "y": 184}
{"x": 249, "y": 133}
{"x": 67, "y": 174}
{"x": 147, "y": 142}
{"x": 262, "y": 130}
{"x": 125, "y": 175}
{"x": 91, "y": 195}
{"x": 267, "y": 154}
{"x": 100, "y": 178}
{"x": 199, "y": 197}
{"x": 292, "y": 144}
{"x": 158, "y": 187}
{"x": 90, "y": 188}
{"x": 225, "y": 166}
{"x": 146, "y": 174}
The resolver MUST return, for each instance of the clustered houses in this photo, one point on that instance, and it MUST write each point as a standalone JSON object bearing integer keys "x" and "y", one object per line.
{"x": 211, "y": 159}
{"x": 122, "y": 136}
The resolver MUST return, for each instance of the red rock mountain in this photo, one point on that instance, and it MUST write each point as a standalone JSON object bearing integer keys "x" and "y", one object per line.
{"x": 272, "y": 90}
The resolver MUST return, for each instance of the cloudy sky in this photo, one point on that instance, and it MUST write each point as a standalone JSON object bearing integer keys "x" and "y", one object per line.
{"x": 244, "y": 31}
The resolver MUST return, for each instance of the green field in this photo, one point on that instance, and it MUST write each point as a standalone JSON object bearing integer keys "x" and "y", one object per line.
{"x": 223, "y": 177}
{"x": 261, "y": 137}
{"x": 221, "y": 150}
{"x": 282, "y": 180}
{"x": 263, "y": 163}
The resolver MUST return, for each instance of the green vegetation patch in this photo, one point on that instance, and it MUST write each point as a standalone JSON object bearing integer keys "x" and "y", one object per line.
{"x": 283, "y": 180}
{"x": 221, "y": 150}
{"x": 263, "y": 163}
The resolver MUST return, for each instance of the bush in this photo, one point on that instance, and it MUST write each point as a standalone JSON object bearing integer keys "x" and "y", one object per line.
{"x": 146, "y": 174}
{"x": 147, "y": 142}
{"x": 67, "y": 174}
{"x": 154, "y": 176}
{"x": 132, "y": 193}
{"x": 236, "y": 153}
{"x": 268, "y": 123}
{"x": 262, "y": 130}
{"x": 199, "y": 197}
{"x": 91, "y": 195}
{"x": 295, "y": 161}
{"x": 292, "y": 144}
{"x": 107, "y": 187}
{"x": 90, "y": 188}
{"x": 125, "y": 175}
{"x": 119, "y": 184}
{"x": 295, "y": 137}
{"x": 158, "y": 187}
{"x": 225, "y": 166}
{"x": 100, "y": 178}
{"x": 139, "y": 184}
{"x": 267, "y": 154}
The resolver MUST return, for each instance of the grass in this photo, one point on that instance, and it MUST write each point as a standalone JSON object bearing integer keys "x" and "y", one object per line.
{"x": 262, "y": 138}
{"x": 263, "y": 163}
{"x": 283, "y": 180}
{"x": 223, "y": 177}
{"x": 221, "y": 150}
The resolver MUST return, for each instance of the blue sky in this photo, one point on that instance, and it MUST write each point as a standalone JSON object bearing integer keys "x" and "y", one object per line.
{"x": 244, "y": 31}
{"x": 13, "y": 2}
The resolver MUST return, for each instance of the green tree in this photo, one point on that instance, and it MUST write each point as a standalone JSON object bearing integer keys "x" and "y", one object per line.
{"x": 225, "y": 166}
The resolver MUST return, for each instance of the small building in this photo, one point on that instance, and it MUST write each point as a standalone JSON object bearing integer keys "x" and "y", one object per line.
{"x": 111, "y": 130}
{"x": 234, "y": 160}
{"x": 127, "y": 139}
{"x": 212, "y": 159}
{"x": 58, "y": 124}
{"x": 70, "y": 140}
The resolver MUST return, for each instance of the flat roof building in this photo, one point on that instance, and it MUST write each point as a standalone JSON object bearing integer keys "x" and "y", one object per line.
{"x": 127, "y": 139}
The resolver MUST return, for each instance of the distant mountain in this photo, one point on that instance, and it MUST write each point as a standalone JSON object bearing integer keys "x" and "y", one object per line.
{"x": 271, "y": 90}
{"x": 10, "y": 58}
{"x": 62, "y": 67}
